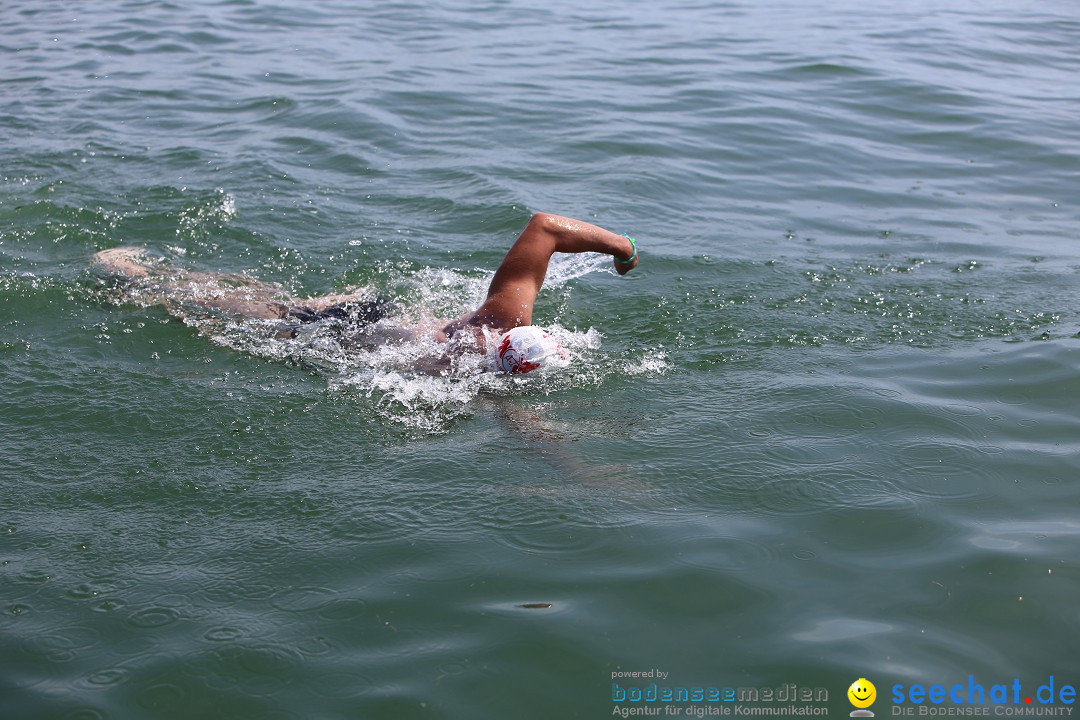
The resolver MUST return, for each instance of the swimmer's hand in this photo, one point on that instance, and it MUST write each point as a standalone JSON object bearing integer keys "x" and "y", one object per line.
{"x": 628, "y": 260}
{"x": 623, "y": 268}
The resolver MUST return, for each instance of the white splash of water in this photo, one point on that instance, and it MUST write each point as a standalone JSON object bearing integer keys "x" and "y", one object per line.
{"x": 651, "y": 362}
{"x": 564, "y": 268}
{"x": 226, "y": 206}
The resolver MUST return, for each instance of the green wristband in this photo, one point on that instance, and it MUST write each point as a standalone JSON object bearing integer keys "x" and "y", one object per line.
{"x": 633, "y": 257}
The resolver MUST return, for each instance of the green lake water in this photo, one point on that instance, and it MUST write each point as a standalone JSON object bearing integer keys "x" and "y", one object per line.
{"x": 827, "y": 430}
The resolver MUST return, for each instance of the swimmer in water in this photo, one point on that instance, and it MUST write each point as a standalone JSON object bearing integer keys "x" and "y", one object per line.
{"x": 501, "y": 327}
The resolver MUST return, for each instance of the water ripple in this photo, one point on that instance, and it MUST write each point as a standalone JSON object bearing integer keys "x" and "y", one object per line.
{"x": 830, "y": 419}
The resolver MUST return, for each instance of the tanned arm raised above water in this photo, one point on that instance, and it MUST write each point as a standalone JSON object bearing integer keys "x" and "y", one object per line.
{"x": 513, "y": 290}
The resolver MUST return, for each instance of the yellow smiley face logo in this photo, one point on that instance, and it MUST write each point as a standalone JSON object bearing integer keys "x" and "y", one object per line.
{"x": 862, "y": 693}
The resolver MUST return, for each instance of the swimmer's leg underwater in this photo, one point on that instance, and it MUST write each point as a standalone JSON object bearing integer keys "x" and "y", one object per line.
{"x": 150, "y": 280}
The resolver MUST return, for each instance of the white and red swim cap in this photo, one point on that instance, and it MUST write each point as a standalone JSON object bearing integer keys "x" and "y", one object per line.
{"x": 527, "y": 348}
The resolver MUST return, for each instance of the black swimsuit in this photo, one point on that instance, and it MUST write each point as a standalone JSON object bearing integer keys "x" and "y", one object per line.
{"x": 361, "y": 313}
{"x": 353, "y": 315}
